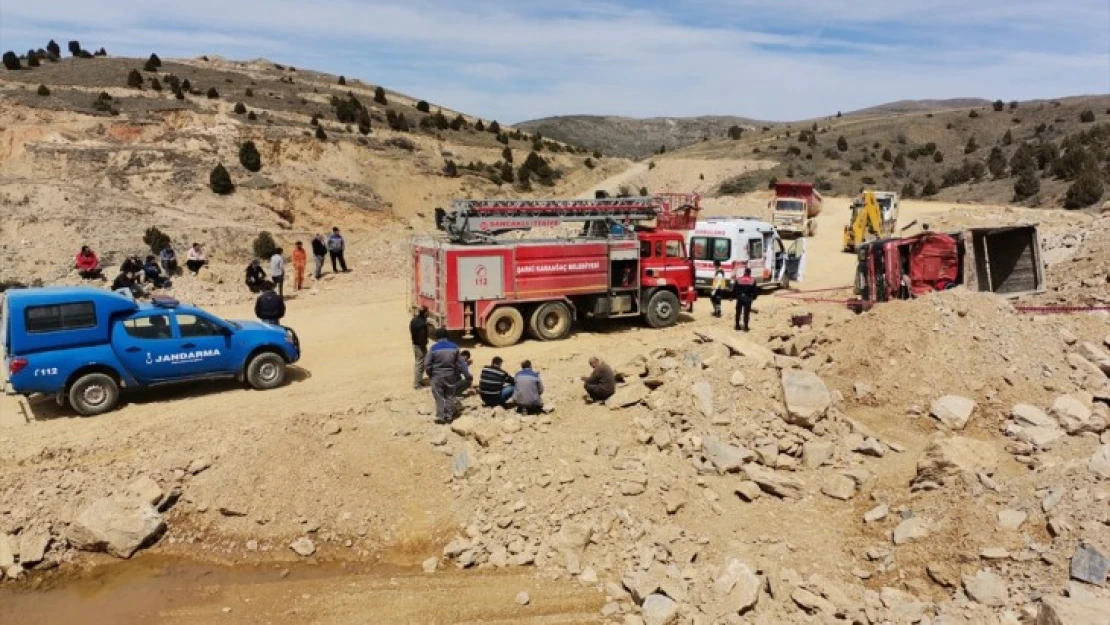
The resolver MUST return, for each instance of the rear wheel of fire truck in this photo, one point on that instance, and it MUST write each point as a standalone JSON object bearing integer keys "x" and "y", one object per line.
{"x": 662, "y": 309}
{"x": 504, "y": 327}
{"x": 93, "y": 394}
{"x": 550, "y": 322}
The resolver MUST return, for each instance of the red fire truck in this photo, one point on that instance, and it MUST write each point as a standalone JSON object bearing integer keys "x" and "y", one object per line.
{"x": 628, "y": 260}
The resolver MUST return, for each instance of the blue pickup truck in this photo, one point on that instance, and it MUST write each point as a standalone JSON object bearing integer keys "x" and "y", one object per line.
{"x": 83, "y": 345}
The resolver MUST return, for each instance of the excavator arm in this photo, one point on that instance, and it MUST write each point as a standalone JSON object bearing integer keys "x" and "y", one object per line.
{"x": 868, "y": 219}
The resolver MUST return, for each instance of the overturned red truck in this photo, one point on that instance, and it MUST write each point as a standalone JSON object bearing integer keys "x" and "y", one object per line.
{"x": 628, "y": 260}
{"x": 1005, "y": 260}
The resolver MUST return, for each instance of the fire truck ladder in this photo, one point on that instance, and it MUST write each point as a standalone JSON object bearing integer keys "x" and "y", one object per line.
{"x": 477, "y": 220}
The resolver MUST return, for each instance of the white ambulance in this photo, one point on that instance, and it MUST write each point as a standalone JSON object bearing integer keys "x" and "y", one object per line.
{"x": 741, "y": 243}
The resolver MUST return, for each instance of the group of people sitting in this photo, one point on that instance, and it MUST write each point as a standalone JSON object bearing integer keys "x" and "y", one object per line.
{"x": 133, "y": 272}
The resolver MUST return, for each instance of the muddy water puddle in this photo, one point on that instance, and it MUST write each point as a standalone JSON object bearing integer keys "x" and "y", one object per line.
{"x": 154, "y": 589}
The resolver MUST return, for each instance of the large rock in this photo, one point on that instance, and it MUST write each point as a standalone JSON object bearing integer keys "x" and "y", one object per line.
{"x": 659, "y": 610}
{"x": 7, "y": 551}
{"x": 1095, "y": 355}
{"x": 953, "y": 411}
{"x": 726, "y": 458}
{"x": 1073, "y": 611}
{"x": 146, "y": 489}
{"x": 628, "y": 395}
{"x": 1026, "y": 415}
{"x": 839, "y": 486}
{"x": 774, "y": 482}
{"x": 303, "y": 546}
{"x": 986, "y": 588}
{"x": 816, "y": 453}
{"x": 33, "y": 545}
{"x": 948, "y": 457}
{"x": 806, "y": 396}
{"x": 1099, "y": 464}
{"x": 739, "y": 346}
{"x": 118, "y": 525}
{"x": 1073, "y": 415}
{"x": 913, "y": 528}
{"x": 1089, "y": 565}
{"x": 739, "y": 584}
{"x": 703, "y": 397}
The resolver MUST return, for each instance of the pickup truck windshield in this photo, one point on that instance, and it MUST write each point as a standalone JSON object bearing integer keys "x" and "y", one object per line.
{"x": 790, "y": 205}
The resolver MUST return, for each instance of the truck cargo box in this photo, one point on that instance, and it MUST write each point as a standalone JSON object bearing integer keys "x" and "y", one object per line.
{"x": 1005, "y": 260}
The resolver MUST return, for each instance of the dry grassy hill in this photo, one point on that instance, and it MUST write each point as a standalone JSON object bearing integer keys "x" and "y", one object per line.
{"x": 635, "y": 138}
{"x": 96, "y": 150}
{"x": 964, "y": 154}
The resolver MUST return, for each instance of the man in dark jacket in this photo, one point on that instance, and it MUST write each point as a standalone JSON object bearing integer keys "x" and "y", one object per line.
{"x": 528, "y": 395}
{"x": 602, "y": 382}
{"x": 418, "y": 331}
{"x": 442, "y": 366}
{"x": 495, "y": 385}
{"x": 466, "y": 379}
{"x": 256, "y": 276}
{"x": 319, "y": 253}
{"x": 745, "y": 291}
{"x": 269, "y": 307}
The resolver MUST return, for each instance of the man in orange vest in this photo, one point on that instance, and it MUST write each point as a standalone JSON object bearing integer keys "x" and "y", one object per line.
{"x": 300, "y": 260}
{"x": 745, "y": 290}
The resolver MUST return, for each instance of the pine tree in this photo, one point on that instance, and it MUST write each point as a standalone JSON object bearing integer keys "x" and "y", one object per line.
{"x": 841, "y": 142}
{"x": 507, "y": 154}
{"x": 53, "y": 48}
{"x": 220, "y": 180}
{"x": 320, "y": 134}
{"x": 152, "y": 64}
{"x": 379, "y": 96}
{"x": 423, "y": 107}
{"x": 1007, "y": 138}
{"x": 930, "y": 188}
{"x": 135, "y": 79}
{"x": 249, "y": 157}
{"x": 212, "y": 93}
{"x": 1027, "y": 185}
{"x": 996, "y": 163}
{"x": 43, "y": 91}
{"x": 240, "y": 108}
{"x": 11, "y": 61}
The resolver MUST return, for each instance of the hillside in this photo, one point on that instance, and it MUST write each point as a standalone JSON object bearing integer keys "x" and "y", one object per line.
{"x": 87, "y": 159}
{"x": 963, "y": 155}
{"x": 634, "y": 138}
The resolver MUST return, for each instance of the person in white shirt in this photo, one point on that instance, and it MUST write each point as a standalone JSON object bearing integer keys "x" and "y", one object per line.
{"x": 277, "y": 271}
{"x": 195, "y": 259}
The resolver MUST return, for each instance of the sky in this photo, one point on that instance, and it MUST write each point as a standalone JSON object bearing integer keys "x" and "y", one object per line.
{"x": 776, "y": 60}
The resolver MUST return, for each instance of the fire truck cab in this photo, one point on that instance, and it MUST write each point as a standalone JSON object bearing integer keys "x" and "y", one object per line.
{"x": 498, "y": 289}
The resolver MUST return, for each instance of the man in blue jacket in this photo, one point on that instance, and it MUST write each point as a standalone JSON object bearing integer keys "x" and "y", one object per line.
{"x": 442, "y": 366}
{"x": 528, "y": 395}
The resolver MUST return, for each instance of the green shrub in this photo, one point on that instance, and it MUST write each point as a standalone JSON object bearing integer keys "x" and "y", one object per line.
{"x": 494, "y": 128}
{"x": 1087, "y": 117}
{"x": 43, "y": 91}
{"x": 899, "y": 162}
{"x": 32, "y": 59}
{"x": 996, "y": 163}
{"x": 212, "y": 93}
{"x": 930, "y": 188}
{"x": 909, "y": 190}
{"x": 251, "y": 116}
{"x": 973, "y": 114}
{"x": 155, "y": 84}
{"x": 320, "y": 134}
{"x": 364, "y": 121}
{"x": 1074, "y": 162}
{"x": 152, "y": 64}
{"x": 735, "y": 132}
{"x": 135, "y": 79}
{"x": 842, "y": 144}
{"x": 971, "y": 146}
{"x": 240, "y": 108}
{"x": 156, "y": 239}
{"x": 53, "y": 48}
{"x": 507, "y": 154}
{"x": 507, "y": 172}
{"x": 342, "y": 80}
{"x": 1085, "y": 191}
{"x": 1027, "y": 184}
{"x": 450, "y": 169}
{"x": 74, "y": 48}
{"x": 263, "y": 246}
{"x": 998, "y": 106}
{"x": 249, "y": 157}
{"x": 589, "y": 163}
{"x": 1007, "y": 138}
{"x": 379, "y": 96}
{"x": 423, "y": 107}
{"x": 938, "y": 157}
{"x": 220, "y": 180}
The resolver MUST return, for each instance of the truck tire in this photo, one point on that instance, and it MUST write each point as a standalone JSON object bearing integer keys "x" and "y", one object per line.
{"x": 550, "y": 321}
{"x": 266, "y": 371}
{"x": 93, "y": 394}
{"x": 504, "y": 327}
{"x": 662, "y": 309}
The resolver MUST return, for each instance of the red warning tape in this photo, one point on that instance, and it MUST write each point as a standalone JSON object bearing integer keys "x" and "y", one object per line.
{"x": 1060, "y": 309}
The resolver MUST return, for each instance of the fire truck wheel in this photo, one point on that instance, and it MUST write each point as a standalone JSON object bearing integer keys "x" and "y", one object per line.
{"x": 662, "y": 309}
{"x": 550, "y": 322}
{"x": 504, "y": 327}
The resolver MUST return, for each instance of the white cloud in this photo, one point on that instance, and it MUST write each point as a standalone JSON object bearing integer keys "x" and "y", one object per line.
{"x": 772, "y": 59}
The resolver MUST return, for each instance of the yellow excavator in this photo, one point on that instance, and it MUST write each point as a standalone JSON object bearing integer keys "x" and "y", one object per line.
{"x": 874, "y": 216}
